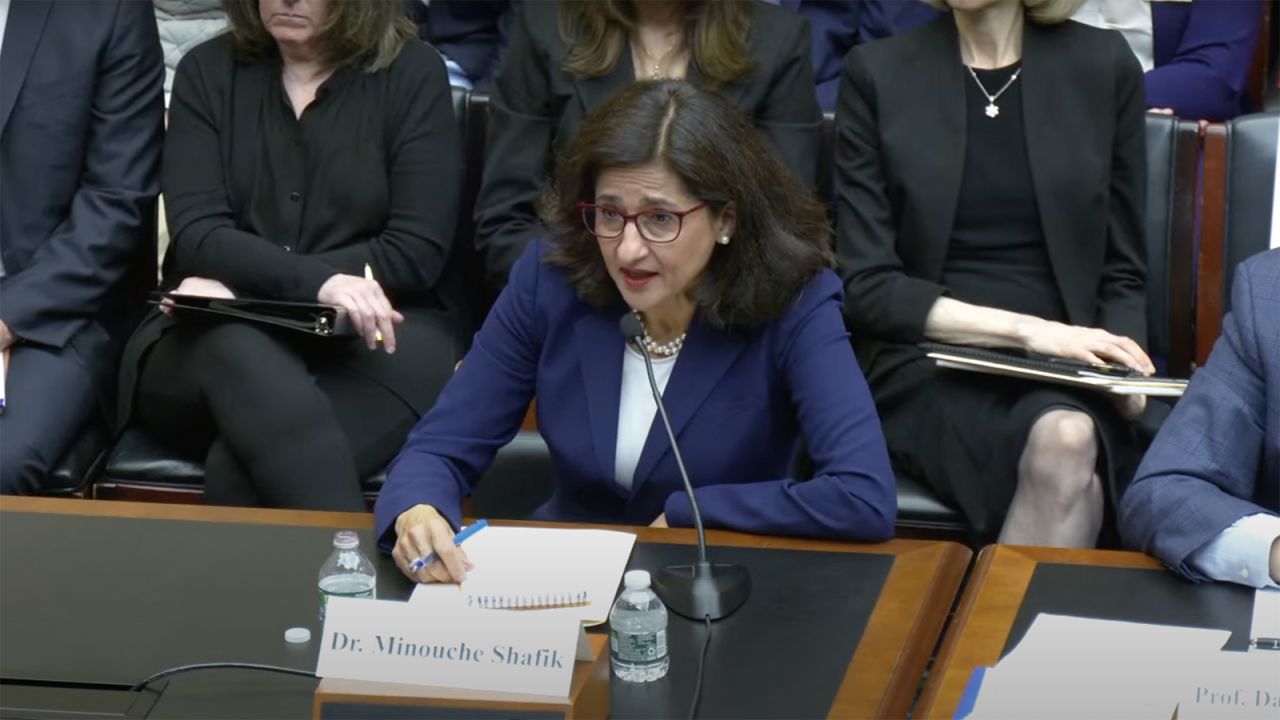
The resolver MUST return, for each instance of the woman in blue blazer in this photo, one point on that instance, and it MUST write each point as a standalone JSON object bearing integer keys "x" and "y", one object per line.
{"x": 667, "y": 205}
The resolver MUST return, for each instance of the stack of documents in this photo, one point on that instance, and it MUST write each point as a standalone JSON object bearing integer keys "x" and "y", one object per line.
{"x": 1114, "y": 379}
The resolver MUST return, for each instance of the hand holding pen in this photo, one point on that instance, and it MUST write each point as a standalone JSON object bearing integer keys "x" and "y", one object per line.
{"x": 366, "y": 305}
{"x": 426, "y": 548}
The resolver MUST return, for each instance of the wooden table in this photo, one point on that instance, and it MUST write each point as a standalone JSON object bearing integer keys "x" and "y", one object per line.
{"x": 998, "y": 586}
{"x": 880, "y": 680}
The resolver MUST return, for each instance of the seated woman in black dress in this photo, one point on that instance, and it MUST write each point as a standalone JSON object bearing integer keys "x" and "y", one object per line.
{"x": 990, "y": 175}
{"x": 566, "y": 58}
{"x": 313, "y": 143}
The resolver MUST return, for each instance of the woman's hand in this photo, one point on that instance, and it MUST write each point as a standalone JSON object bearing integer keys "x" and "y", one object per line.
{"x": 367, "y": 307}
{"x": 1086, "y": 344}
{"x": 420, "y": 531}
{"x": 199, "y": 287}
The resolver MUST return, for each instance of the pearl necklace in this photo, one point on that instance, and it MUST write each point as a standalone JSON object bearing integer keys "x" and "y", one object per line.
{"x": 655, "y": 349}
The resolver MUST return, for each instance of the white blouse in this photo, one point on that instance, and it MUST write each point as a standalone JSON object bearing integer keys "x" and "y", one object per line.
{"x": 637, "y": 410}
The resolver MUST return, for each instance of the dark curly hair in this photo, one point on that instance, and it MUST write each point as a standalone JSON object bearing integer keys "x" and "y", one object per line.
{"x": 782, "y": 238}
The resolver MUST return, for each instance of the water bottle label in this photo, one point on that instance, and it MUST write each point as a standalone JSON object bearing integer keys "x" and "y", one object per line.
{"x": 324, "y": 596}
{"x": 638, "y": 647}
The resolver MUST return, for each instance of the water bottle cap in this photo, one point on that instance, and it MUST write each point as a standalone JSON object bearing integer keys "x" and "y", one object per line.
{"x": 346, "y": 539}
{"x": 636, "y": 579}
{"x": 297, "y": 635}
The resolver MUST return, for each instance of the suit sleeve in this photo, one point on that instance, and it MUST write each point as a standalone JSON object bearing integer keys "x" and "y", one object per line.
{"x": 1201, "y": 470}
{"x": 477, "y": 413}
{"x": 103, "y": 232}
{"x": 852, "y": 494}
{"x": 790, "y": 118}
{"x": 1205, "y": 78}
{"x": 410, "y": 253}
{"x": 881, "y": 299}
{"x": 202, "y": 226}
{"x": 518, "y": 155}
{"x": 1122, "y": 288}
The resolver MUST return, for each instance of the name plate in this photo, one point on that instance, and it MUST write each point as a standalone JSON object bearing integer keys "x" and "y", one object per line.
{"x": 1233, "y": 685}
{"x": 494, "y": 650}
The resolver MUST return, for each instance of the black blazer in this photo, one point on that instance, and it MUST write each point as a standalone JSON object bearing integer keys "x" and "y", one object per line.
{"x": 81, "y": 124}
{"x": 536, "y": 109}
{"x": 900, "y": 159}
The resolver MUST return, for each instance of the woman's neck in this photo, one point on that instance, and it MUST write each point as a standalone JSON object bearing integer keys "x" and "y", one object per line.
{"x": 668, "y": 323}
{"x": 305, "y": 65}
{"x": 991, "y": 37}
{"x": 658, "y": 14}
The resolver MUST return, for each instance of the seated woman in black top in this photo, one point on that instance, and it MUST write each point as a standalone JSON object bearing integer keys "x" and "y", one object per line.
{"x": 311, "y": 142}
{"x": 990, "y": 174}
{"x": 565, "y": 58}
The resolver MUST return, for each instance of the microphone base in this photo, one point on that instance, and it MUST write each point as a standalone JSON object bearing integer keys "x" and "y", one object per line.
{"x": 703, "y": 590}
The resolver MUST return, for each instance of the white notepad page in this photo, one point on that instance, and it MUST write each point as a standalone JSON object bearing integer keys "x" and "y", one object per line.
{"x": 512, "y": 562}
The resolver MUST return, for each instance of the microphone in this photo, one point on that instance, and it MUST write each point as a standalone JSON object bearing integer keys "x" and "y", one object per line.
{"x": 702, "y": 590}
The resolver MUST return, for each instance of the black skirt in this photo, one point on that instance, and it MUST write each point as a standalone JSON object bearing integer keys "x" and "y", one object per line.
{"x": 962, "y": 434}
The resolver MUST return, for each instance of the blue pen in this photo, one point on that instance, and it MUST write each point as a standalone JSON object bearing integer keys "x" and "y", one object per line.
{"x": 467, "y": 532}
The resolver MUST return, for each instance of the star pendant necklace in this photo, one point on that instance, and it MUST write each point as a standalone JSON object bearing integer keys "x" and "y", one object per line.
{"x": 992, "y": 109}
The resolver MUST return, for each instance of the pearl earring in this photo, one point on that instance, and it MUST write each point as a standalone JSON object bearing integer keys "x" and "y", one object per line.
{"x": 724, "y": 240}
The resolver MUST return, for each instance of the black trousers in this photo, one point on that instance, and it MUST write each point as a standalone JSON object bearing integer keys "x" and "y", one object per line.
{"x": 281, "y": 419}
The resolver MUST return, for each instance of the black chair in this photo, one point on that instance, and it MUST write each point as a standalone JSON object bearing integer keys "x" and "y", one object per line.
{"x": 140, "y": 468}
{"x": 1172, "y": 155}
{"x": 1239, "y": 182}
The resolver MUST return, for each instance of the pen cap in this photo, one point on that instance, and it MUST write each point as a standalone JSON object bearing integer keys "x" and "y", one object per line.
{"x": 636, "y": 579}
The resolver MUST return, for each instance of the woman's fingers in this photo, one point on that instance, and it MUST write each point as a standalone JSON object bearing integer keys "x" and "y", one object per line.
{"x": 448, "y": 554}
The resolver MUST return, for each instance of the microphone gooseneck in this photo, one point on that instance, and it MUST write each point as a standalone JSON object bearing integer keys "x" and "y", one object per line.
{"x": 701, "y": 591}
{"x": 633, "y": 331}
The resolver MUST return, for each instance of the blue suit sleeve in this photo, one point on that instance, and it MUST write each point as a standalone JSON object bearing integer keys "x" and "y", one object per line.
{"x": 1205, "y": 78}
{"x": 1196, "y": 478}
{"x": 102, "y": 233}
{"x": 852, "y": 494}
{"x": 477, "y": 413}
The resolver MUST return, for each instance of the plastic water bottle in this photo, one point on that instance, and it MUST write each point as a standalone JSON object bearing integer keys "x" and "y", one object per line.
{"x": 638, "y": 631}
{"x": 347, "y": 572}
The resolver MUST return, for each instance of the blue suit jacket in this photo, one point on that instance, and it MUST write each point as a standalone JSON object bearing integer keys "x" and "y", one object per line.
{"x": 1217, "y": 457}
{"x": 81, "y": 126}
{"x": 738, "y": 403}
{"x": 1203, "y": 52}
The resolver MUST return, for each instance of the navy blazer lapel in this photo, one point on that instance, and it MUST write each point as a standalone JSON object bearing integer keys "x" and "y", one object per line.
{"x": 21, "y": 35}
{"x": 942, "y": 137}
{"x": 705, "y": 357}
{"x": 599, "y": 346}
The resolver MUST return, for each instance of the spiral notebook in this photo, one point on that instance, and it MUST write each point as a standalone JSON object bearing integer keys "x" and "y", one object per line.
{"x": 549, "y": 570}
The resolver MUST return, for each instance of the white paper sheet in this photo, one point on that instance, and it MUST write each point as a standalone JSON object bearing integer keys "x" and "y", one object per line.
{"x": 1070, "y": 667}
{"x": 533, "y": 562}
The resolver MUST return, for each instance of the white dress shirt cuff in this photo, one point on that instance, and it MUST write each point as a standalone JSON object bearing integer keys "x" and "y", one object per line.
{"x": 1241, "y": 553}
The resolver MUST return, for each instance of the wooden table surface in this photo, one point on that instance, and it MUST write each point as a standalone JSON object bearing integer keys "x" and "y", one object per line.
{"x": 886, "y": 668}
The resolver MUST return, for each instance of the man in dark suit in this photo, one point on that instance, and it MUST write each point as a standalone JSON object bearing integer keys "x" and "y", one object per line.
{"x": 1206, "y": 500}
{"x": 81, "y": 126}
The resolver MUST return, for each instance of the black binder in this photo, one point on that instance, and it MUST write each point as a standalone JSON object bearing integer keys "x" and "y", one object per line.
{"x": 310, "y": 318}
